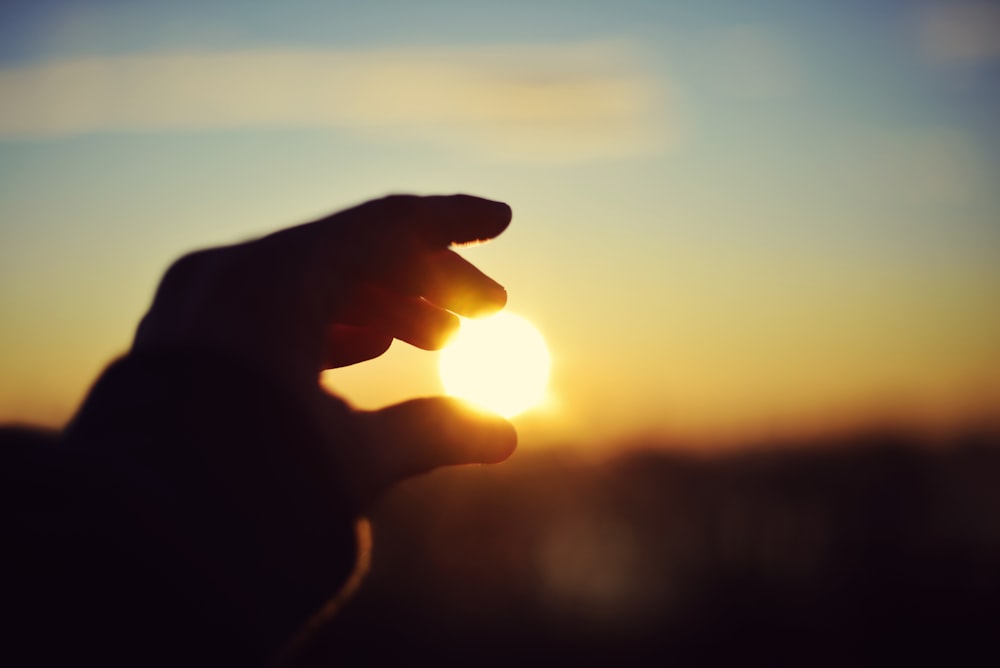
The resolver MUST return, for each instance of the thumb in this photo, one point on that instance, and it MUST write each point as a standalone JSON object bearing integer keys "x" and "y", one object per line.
{"x": 419, "y": 435}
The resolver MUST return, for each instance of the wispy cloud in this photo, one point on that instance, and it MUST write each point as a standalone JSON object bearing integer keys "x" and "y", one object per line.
{"x": 556, "y": 102}
{"x": 961, "y": 32}
{"x": 917, "y": 165}
{"x": 754, "y": 61}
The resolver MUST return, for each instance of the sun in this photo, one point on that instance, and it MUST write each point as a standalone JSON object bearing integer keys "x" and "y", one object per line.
{"x": 499, "y": 363}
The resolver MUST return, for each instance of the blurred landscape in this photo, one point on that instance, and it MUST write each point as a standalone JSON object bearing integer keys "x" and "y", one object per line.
{"x": 879, "y": 549}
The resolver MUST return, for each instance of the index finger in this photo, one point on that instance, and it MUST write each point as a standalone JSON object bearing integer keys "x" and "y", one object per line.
{"x": 401, "y": 243}
{"x": 437, "y": 221}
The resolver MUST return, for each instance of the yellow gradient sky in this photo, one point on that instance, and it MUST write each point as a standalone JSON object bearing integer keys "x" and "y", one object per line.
{"x": 730, "y": 218}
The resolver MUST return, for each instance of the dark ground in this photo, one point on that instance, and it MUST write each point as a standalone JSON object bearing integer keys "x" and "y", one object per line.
{"x": 876, "y": 550}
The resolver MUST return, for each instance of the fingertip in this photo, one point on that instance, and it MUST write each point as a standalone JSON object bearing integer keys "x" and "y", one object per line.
{"x": 444, "y": 333}
{"x": 494, "y": 209}
{"x": 494, "y": 218}
{"x": 434, "y": 331}
{"x": 505, "y": 443}
{"x": 420, "y": 435}
{"x": 497, "y": 299}
{"x": 490, "y": 437}
{"x": 452, "y": 282}
{"x": 462, "y": 220}
{"x": 502, "y": 211}
{"x": 348, "y": 344}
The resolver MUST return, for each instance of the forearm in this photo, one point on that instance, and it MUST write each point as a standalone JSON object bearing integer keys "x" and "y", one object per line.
{"x": 210, "y": 512}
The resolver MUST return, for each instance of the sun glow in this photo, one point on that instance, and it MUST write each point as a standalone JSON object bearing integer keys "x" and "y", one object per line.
{"x": 500, "y": 363}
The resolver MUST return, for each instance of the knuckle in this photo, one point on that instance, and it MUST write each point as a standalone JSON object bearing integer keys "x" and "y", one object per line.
{"x": 187, "y": 269}
{"x": 398, "y": 207}
{"x": 197, "y": 272}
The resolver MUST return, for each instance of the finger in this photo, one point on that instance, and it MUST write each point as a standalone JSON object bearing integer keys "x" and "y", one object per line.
{"x": 410, "y": 254}
{"x": 410, "y": 319}
{"x": 449, "y": 281}
{"x": 437, "y": 220}
{"x": 352, "y": 239}
{"x": 387, "y": 242}
{"x": 463, "y": 219}
{"x": 420, "y": 435}
{"x": 348, "y": 344}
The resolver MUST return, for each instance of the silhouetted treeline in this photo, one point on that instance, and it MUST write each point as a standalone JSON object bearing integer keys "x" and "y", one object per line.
{"x": 872, "y": 551}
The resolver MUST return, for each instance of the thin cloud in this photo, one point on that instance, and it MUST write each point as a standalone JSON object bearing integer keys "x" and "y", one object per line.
{"x": 961, "y": 33}
{"x": 929, "y": 165}
{"x": 908, "y": 166}
{"x": 752, "y": 61}
{"x": 562, "y": 102}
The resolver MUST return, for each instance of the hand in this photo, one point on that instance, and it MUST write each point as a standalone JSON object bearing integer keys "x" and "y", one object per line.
{"x": 336, "y": 292}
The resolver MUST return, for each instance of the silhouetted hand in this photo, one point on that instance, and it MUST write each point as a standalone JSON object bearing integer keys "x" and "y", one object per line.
{"x": 336, "y": 292}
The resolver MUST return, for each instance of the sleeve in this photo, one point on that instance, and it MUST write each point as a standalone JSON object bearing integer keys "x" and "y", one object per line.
{"x": 189, "y": 514}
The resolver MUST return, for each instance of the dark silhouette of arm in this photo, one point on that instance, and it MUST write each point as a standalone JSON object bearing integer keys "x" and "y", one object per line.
{"x": 202, "y": 505}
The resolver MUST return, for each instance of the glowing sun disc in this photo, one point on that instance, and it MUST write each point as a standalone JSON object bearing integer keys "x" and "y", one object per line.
{"x": 499, "y": 363}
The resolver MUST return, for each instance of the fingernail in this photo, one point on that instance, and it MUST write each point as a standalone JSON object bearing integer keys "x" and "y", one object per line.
{"x": 491, "y": 300}
{"x": 446, "y": 332}
{"x": 503, "y": 211}
{"x": 496, "y": 442}
{"x": 491, "y": 436}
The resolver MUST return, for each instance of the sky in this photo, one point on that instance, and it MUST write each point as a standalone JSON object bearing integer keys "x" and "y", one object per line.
{"x": 732, "y": 220}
